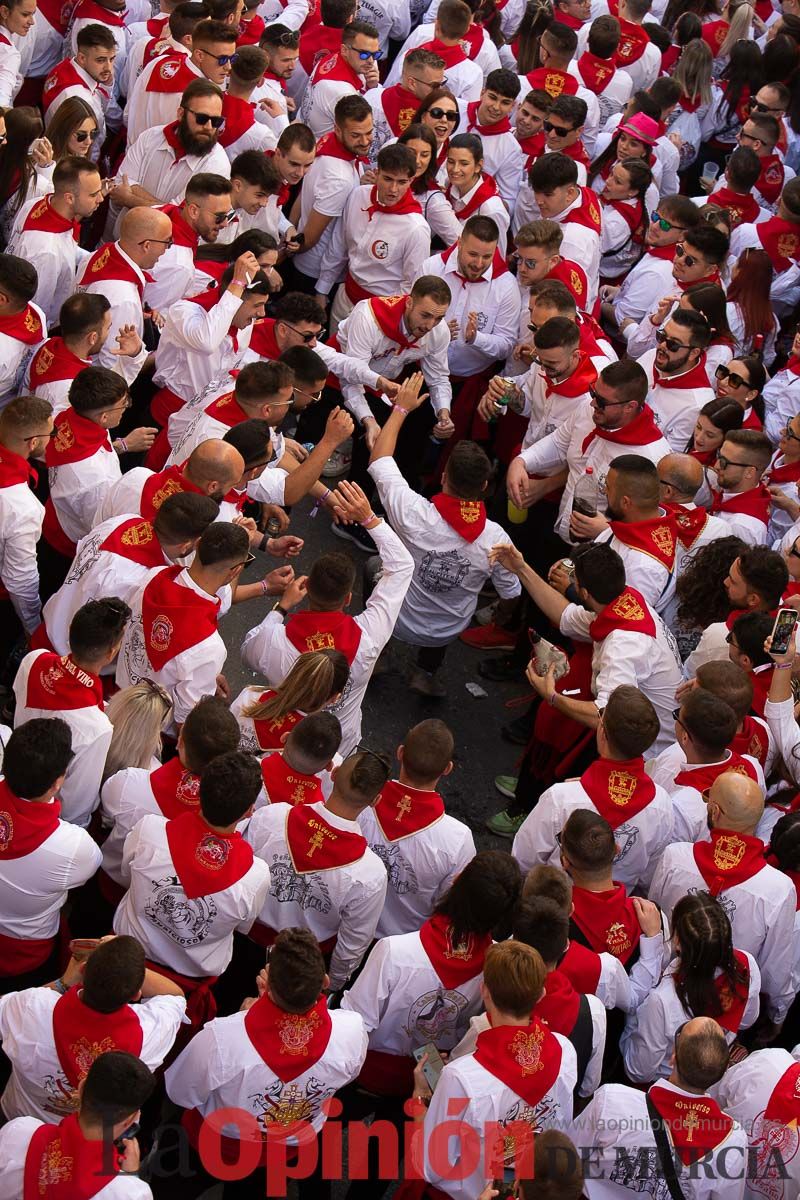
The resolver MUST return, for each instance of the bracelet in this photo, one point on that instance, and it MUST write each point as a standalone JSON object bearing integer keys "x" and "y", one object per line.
{"x": 372, "y": 517}
{"x": 264, "y": 587}
{"x": 783, "y": 666}
{"x": 320, "y": 500}
{"x": 399, "y": 408}
{"x": 242, "y": 283}
{"x": 552, "y": 700}
{"x": 121, "y": 442}
{"x": 60, "y": 987}
{"x": 277, "y": 608}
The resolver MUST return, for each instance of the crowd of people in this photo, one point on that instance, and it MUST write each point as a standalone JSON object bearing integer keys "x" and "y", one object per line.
{"x": 506, "y": 297}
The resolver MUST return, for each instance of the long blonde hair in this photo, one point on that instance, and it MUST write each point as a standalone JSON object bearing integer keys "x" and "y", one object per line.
{"x": 740, "y": 16}
{"x": 138, "y": 714}
{"x": 693, "y": 71}
{"x": 314, "y": 679}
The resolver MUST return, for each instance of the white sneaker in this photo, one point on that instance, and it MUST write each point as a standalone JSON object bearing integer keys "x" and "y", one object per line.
{"x": 339, "y": 462}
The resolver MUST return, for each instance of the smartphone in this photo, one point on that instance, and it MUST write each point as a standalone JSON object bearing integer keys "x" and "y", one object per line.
{"x": 783, "y": 629}
{"x": 433, "y": 1067}
{"x": 125, "y": 1136}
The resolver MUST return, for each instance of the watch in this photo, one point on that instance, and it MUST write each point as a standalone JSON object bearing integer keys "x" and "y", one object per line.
{"x": 277, "y": 608}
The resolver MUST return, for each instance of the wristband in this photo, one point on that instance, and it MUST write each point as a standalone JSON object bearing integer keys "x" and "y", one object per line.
{"x": 399, "y": 408}
{"x": 783, "y": 666}
{"x": 264, "y": 587}
{"x": 123, "y": 444}
{"x": 60, "y": 987}
{"x": 372, "y": 517}
{"x": 242, "y": 283}
{"x": 318, "y": 503}
{"x": 552, "y": 700}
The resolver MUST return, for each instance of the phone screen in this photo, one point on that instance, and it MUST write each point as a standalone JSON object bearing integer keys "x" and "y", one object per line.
{"x": 782, "y": 630}
{"x": 433, "y": 1067}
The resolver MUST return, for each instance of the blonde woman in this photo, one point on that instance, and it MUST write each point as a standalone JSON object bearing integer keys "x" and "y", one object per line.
{"x": 138, "y": 714}
{"x": 693, "y": 73}
{"x": 316, "y": 681}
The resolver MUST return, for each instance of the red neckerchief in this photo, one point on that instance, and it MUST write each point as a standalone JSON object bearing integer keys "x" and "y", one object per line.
{"x": 324, "y": 631}
{"x": 450, "y": 55}
{"x": 155, "y": 47}
{"x": 632, "y": 213}
{"x": 688, "y": 105}
{"x": 285, "y": 192}
{"x": 24, "y": 326}
{"x": 657, "y": 538}
{"x": 161, "y": 485}
{"x": 532, "y": 148}
{"x": 466, "y": 517}
{"x": 407, "y": 203}
{"x": 701, "y": 778}
{"x": 574, "y": 278}
{"x": 787, "y": 473}
{"x": 172, "y": 74}
{"x": 455, "y": 963}
{"x": 24, "y": 825}
{"x": 583, "y": 967}
{"x": 483, "y": 192}
{"x": 63, "y": 75}
{"x": 182, "y": 233}
{"x": 156, "y": 25}
{"x": 334, "y": 68}
{"x": 770, "y": 181}
{"x": 14, "y": 469}
{"x": 329, "y": 146}
{"x": 173, "y": 140}
{"x": 793, "y": 365}
{"x": 642, "y": 431}
{"x": 81, "y": 1034}
{"x": 577, "y": 152}
{"x": 689, "y": 523}
{"x": 752, "y": 740}
{"x": 474, "y": 126}
{"x": 498, "y": 266}
{"x": 176, "y": 790}
{"x": 388, "y": 312}
{"x": 607, "y": 920}
{"x": 559, "y": 1005}
{"x": 743, "y": 209}
{"x": 54, "y": 362}
{"x": 289, "y": 1043}
{"x": 618, "y": 790}
{"x": 576, "y": 384}
{"x": 77, "y": 438}
{"x": 208, "y": 300}
{"x": 275, "y": 79}
{"x": 783, "y": 1106}
{"x": 206, "y": 861}
{"x": 399, "y": 106}
{"x": 554, "y": 81}
{"x": 595, "y": 72}
{"x": 43, "y": 218}
{"x": 473, "y": 39}
{"x": 57, "y": 15}
{"x": 227, "y": 410}
{"x": 714, "y": 278}
{"x": 263, "y": 341}
{"x": 316, "y": 845}
{"x": 239, "y": 116}
{"x": 685, "y": 381}
{"x": 284, "y": 785}
{"x": 591, "y": 333}
{"x": 751, "y": 418}
{"x": 781, "y": 241}
{"x": 526, "y": 1058}
{"x": 135, "y": 539}
{"x": 250, "y": 30}
{"x": 761, "y": 678}
{"x": 174, "y": 617}
{"x": 317, "y": 41}
{"x": 753, "y": 503}
{"x": 628, "y": 612}
{"x": 728, "y": 859}
{"x": 61, "y": 1164}
{"x": 402, "y": 810}
{"x": 706, "y": 457}
{"x": 269, "y": 731}
{"x": 587, "y": 213}
{"x": 55, "y": 682}
{"x": 714, "y": 34}
{"x": 732, "y": 997}
{"x": 696, "y": 1125}
{"x": 669, "y": 59}
{"x": 632, "y": 44}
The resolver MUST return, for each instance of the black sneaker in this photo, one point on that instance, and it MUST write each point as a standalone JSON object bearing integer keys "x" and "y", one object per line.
{"x": 518, "y": 732}
{"x": 357, "y": 535}
{"x": 501, "y": 669}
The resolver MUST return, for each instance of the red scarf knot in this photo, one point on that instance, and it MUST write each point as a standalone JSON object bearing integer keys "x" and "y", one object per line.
{"x": 501, "y": 126}
{"x": 466, "y": 517}
{"x": 728, "y": 859}
{"x": 205, "y": 860}
{"x": 628, "y": 612}
{"x": 619, "y": 790}
{"x": 407, "y": 203}
{"x": 402, "y": 810}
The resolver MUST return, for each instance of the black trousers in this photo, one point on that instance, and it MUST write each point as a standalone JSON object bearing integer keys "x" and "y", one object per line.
{"x": 53, "y": 569}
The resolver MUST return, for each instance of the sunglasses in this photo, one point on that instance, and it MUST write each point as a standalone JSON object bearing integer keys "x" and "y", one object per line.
{"x": 290, "y": 38}
{"x": 313, "y": 397}
{"x": 251, "y": 558}
{"x": 3, "y": 139}
{"x": 366, "y": 55}
{"x": 223, "y": 59}
{"x": 663, "y": 224}
{"x": 530, "y": 263}
{"x": 726, "y": 462}
{"x": 604, "y": 404}
{"x": 749, "y": 137}
{"x": 207, "y": 119}
{"x": 224, "y": 218}
{"x": 443, "y": 114}
{"x": 676, "y": 712}
{"x": 306, "y": 337}
{"x": 730, "y": 642}
{"x": 558, "y": 130}
{"x": 670, "y": 343}
{"x": 689, "y": 259}
{"x": 46, "y": 436}
{"x": 757, "y": 106}
{"x": 84, "y": 135}
{"x": 168, "y": 242}
{"x": 736, "y": 381}
{"x": 794, "y": 552}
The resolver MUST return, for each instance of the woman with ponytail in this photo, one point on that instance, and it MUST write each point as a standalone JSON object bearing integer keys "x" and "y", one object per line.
{"x": 730, "y": 107}
{"x": 722, "y": 33}
{"x": 315, "y": 681}
{"x": 693, "y": 74}
{"x": 625, "y": 217}
{"x": 750, "y": 313}
{"x": 706, "y": 978}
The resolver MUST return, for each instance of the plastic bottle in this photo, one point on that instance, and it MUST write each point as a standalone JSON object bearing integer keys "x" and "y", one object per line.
{"x": 584, "y": 498}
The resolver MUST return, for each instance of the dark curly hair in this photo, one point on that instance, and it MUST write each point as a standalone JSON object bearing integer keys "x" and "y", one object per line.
{"x": 703, "y": 931}
{"x": 702, "y": 598}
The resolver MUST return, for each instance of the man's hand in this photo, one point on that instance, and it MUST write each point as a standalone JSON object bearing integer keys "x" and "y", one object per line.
{"x": 585, "y": 528}
{"x": 659, "y": 314}
{"x": 789, "y": 656}
{"x": 455, "y": 329}
{"x": 372, "y": 75}
{"x": 524, "y": 352}
{"x": 496, "y": 390}
{"x": 422, "y": 1089}
{"x": 648, "y": 916}
{"x": 410, "y": 395}
{"x": 278, "y": 581}
{"x": 295, "y": 593}
{"x": 284, "y": 547}
{"x": 784, "y": 502}
{"x": 41, "y": 151}
{"x": 370, "y": 428}
{"x": 390, "y": 387}
{"x": 299, "y": 452}
{"x": 444, "y": 427}
{"x": 322, "y": 300}
{"x": 608, "y": 292}
{"x": 517, "y": 482}
{"x": 471, "y": 328}
{"x": 559, "y": 578}
{"x": 543, "y": 685}
{"x": 352, "y": 504}
{"x": 338, "y": 428}
{"x": 155, "y": 316}
{"x": 245, "y": 268}
{"x": 128, "y": 341}
{"x": 273, "y": 107}
{"x": 223, "y": 691}
{"x": 507, "y": 555}
{"x": 683, "y": 689}
{"x": 368, "y": 176}
{"x": 268, "y": 511}
{"x": 140, "y": 439}
{"x": 131, "y": 1160}
{"x": 251, "y": 529}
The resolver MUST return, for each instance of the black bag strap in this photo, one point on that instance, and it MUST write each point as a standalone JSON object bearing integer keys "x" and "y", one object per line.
{"x": 582, "y": 1038}
{"x": 664, "y": 1151}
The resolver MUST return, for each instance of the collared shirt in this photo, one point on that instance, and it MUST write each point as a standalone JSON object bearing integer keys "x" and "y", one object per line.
{"x": 126, "y": 309}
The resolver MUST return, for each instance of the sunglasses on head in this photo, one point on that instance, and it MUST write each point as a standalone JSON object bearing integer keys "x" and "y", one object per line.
{"x": 207, "y": 119}
{"x": 733, "y": 379}
{"x": 366, "y": 55}
{"x": 689, "y": 259}
{"x": 602, "y": 403}
{"x": 84, "y": 135}
{"x": 558, "y": 130}
{"x": 291, "y": 38}
{"x": 663, "y": 224}
{"x": 443, "y": 114}
{"x": 670, "y": 343}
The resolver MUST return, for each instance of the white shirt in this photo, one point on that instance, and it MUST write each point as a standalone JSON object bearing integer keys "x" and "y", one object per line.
{"x": 674, "y": 408}
{"x": 391, "y": 18}
{"x": 464, "y": 80}
{"x": 10, "y": 77}
{"x": 785, "y": 289}
{"x": 344, "y": 902}
{"x": 420, "y": 867}
{"x": 38, "y": 1086}
{"x": 15, "y": 356}
{"x": 21, "y": 517}
{"x": 449, "y": 571}
{"x": 614, "y": 96}
{"x": 503, "y": 159}
{"x": 78, "y": 488}
{"x": 382, "y": 252}
{"x": 125, "y": 798}
{"x": 616, "y": 1125}
{"x": 15, "y": 1139}
{"x": 151, "y": 162}
{"x": 745, "y": 1091}
{"x": 33, "y": 889}
{"x": 320, "y": 99}
{"x": 581, "y": 245}
{"x": 196, "y": 346}
{"x": 96, "y": 95}
{"x": 126, "y": 309}
{"x": 189, "y": 675}
{"x": 648, "y": 1040}
{"x": 643, "y": 572}
{"x": 56, "y": 257}
{"x": 267, "y": 649}
{"x": 740, "y": 524}
{"x": 193, "y": 937}
{"x": 640, "y": 839}
{"x": 761, "y": 912}
{"x": 650, "y": 277}
{"x": 148, "y": 110}
{"x": 689, "y": 806}
{"x": 56, "y": 391}
{"x": 496, "y": 300}
{"x": 493, "y": 207}
{"x": 781, "y": 401}
{"x": 325, "y": 190}
{"x": 221, "y": 1069}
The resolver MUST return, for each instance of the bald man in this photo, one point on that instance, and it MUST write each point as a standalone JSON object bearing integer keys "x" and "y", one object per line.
{"x": 212, "y": 469}
{"x": 680, "y": 479}
{"x": 759, "y": 899}
{"x": 618, "y": 1125}
{"x": 118, "y": 270}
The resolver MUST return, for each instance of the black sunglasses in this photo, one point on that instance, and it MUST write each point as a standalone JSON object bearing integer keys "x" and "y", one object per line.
{"x": 206, "y": 118}
{"x": 672, "y": 344}
{"x": 733, "y": 379}
{"x": 443, "y": 114}
{"x": 306, "y": 337}
{"x": 84, "y": 135}
{"x": 689, "y": 259}
{"x": 558, "y": 130}
{"x": 794, "y": 552}
{"x": 757, "y": 106}
{"x": 604, "y": 404}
